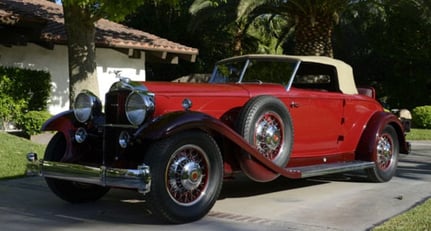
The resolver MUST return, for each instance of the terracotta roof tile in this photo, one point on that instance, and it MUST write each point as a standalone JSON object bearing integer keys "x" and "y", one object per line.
{"x": 108, "y": 33}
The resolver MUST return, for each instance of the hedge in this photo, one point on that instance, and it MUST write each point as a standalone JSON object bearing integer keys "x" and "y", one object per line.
{"x": 422, "y": 117}
{"x": 21, "y": 91}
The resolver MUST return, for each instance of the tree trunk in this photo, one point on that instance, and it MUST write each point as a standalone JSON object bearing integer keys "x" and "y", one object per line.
{"x": 237, "y": 42}
{"x": 313, "y": 36}
{"x": 81, "y": 30}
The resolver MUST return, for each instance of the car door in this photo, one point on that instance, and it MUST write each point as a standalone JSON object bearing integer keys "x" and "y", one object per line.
{"x": 316, "y": 106}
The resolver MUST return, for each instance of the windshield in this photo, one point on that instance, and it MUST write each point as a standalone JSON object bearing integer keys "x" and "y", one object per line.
{"x": 254, "y": 71}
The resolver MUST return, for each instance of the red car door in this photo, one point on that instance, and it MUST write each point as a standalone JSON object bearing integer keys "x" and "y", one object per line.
{"x": 317, "y": 122}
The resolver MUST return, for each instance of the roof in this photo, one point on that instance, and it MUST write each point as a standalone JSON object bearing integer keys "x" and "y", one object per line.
{"x": 344, "y": 71}
{"x": 49, "y": 16}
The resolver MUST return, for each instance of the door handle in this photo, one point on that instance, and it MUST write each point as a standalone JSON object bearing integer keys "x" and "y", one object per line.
{"x": 294, "y": 104}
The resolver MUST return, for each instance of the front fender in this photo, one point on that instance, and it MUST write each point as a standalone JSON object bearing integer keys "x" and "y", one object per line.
{"x": 175, "y": 122}
{"x": 61, "y": 122}
{"x": 366, "y": 147}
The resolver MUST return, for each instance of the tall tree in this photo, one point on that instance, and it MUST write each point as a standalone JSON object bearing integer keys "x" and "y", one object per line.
{"x": 80, "y": 17}
{"x": 313, "y": 20}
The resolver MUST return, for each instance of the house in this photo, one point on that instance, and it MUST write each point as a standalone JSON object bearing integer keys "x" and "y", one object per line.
{"x": 33, "y": 36}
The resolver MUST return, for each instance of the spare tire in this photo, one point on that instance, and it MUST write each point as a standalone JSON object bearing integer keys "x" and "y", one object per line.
{"x": 266, "y": 124}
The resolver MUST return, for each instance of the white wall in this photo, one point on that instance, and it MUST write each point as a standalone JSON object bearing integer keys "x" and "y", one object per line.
{"x": 55, "y": 62}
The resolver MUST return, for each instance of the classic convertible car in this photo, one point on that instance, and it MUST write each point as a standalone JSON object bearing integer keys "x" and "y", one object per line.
{"x": 264, "y": 116}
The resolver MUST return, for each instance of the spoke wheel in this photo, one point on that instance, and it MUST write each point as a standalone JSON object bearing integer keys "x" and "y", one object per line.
{"x": 269, "y": 135}
{"x": 385, "y": 156}
{"x": 266, "y": 124}
{"x": 187, "y": 175}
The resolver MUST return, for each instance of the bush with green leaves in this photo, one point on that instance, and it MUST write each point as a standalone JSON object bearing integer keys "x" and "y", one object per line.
{"x": 22, "y": 90}
{"x": 32, "y": 121}
{"x": 422, "y": 117}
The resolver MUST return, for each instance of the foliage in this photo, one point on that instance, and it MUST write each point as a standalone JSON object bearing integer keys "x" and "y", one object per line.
{"x": 422, "y": 117}
{"x": 169, "y": 20}
{"x": 22, "y": 90}
{"x": 112, "y": 9}
{"x": 32, "y": 121}
{"x": 389, "y": 46}
{"x": 13, "y": 155}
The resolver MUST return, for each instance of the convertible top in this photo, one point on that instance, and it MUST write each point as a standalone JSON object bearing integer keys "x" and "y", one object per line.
{"x": 344, "y": 71}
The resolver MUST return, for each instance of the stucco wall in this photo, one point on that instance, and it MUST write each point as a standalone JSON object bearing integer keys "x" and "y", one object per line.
{"x": 55, "y": 62}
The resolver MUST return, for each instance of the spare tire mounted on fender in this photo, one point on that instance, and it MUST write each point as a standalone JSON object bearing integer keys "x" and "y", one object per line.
{"x": 265, "y": 123}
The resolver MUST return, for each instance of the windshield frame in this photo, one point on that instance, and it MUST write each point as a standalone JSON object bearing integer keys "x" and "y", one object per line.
{"x": 260, "y": 58}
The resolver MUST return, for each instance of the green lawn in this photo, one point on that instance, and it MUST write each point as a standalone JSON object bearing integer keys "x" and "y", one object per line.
{"x": 13, "y": 153}
{"x": 419, "y": 134}
{"x": 418, "y": 218}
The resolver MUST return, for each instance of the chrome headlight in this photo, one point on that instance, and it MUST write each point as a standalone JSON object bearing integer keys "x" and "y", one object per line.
{"x": 138, "y": 105}
{"x": 86, "y": 105}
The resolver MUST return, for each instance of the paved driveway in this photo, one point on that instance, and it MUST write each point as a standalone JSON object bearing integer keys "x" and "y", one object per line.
{"x": 336, "y": 202}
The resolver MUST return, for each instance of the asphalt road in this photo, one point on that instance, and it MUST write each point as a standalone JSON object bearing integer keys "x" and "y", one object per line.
{"x": 336, "y": 202}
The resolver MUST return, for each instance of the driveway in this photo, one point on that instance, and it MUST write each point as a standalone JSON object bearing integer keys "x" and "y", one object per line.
{"x": 336, "y": 202}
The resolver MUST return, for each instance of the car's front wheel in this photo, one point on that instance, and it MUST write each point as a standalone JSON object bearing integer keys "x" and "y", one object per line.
{"x": 186, "y": 176}
{"x": 70, "y": 191}
{"x": 386, "y": 153}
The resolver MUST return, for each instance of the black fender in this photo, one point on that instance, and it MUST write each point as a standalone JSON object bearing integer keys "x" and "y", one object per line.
{"x": 175, "y": 122}
{"x": 366, "y": 146}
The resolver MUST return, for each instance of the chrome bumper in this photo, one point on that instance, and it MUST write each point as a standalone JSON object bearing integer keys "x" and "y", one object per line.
{"x": 139, "y": 178}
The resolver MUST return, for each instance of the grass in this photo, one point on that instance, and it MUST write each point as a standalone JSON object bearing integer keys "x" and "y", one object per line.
{"x": 13, "y": 153}
{"x": 419, "y": 134}
{"x": 418, "y": 218}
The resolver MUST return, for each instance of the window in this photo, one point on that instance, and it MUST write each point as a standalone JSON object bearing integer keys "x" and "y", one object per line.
{"x": 316, "y": 76}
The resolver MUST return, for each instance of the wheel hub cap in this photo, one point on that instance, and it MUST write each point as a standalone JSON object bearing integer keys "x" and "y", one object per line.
{"x": 384, "y": 151}
{"x": 187, "y": 176}
{"x": 268, "y": 136}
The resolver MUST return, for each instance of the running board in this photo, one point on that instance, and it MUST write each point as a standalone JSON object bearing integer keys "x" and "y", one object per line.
{"x": 324, "y": 169}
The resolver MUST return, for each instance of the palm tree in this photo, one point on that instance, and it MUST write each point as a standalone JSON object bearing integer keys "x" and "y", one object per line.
{"x": 315, "y": 20}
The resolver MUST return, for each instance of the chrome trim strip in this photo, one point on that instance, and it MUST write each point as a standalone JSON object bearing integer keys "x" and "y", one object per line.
{"x": 139, "y": 178}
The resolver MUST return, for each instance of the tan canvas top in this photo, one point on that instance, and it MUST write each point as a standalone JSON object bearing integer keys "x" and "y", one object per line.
{"x": 344, "y": 70}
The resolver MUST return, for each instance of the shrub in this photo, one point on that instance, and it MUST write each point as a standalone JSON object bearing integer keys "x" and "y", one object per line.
{"x": 34, "y": 86}
{"x": 32, "y": 121}
{"x": 422, "y": 117}
{"x": 22, "y": 90}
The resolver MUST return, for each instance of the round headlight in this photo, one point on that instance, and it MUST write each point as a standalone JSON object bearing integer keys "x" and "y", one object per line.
{"x": 137, "y": 106}
{"x": 86, "y": 105}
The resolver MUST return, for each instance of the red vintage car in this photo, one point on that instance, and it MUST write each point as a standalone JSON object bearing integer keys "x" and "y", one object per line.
{"x": 261, "y": 115}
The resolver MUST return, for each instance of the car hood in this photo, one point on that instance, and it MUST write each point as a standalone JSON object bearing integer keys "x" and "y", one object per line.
{"x": 213, "y": 99}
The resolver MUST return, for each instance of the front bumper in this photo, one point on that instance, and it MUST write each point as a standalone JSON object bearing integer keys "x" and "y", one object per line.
{"x": 139, "y": 178}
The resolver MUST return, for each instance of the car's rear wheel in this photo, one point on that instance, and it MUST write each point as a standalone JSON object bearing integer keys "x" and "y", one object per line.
{"x": 386, "y": 153}
{"x": 265, "y": 123}
{"x": 70, "y": 191}
{"x": 186, "y": 176}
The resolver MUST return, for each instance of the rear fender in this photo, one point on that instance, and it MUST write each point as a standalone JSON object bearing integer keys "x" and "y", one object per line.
{"x": 172, "y": 123}
{"x": 366, "y": 147}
